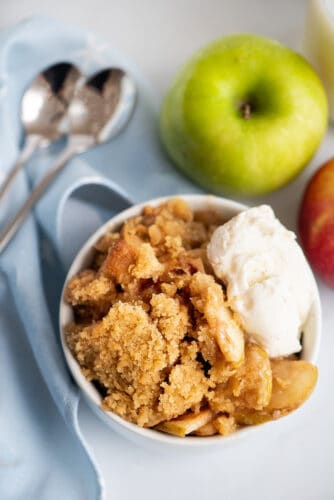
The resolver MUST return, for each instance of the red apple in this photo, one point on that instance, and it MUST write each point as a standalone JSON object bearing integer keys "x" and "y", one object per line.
{"x": 316, "y": 222}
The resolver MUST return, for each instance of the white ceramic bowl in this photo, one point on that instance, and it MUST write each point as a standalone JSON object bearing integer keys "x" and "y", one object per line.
{"x": 228, "y": 208}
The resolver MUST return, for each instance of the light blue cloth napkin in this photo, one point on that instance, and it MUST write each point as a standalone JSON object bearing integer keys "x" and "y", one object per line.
{"x": 42, "y": 453}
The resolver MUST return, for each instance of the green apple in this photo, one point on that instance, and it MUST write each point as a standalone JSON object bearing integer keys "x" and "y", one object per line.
{"x": 245, "y": 115}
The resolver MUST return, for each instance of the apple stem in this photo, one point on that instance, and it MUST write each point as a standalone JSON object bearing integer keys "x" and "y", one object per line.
{"x": 246, "y": 110}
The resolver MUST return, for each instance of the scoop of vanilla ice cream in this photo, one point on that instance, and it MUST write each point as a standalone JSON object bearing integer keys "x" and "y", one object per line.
{"x": 269, "y": 284}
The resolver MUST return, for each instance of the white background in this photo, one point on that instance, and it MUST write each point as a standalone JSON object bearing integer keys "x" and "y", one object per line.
{"x": 294, "y": 458}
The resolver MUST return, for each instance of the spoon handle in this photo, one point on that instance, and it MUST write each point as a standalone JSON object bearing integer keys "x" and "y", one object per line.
{"x": 35, "y": 194}
{"x": 31, "y": 143}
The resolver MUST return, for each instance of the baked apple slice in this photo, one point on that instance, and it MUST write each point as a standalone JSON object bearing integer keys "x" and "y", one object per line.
{"x": 186, "y": 424}
{"x": 252, "y": 383}
{"x": 293, "y": 383}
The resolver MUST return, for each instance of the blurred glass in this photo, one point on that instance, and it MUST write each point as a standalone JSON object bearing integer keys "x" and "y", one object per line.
{"x": 318, "y": 44}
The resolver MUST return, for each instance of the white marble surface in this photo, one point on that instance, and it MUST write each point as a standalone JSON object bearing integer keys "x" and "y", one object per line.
{"x": 294, "y": 458}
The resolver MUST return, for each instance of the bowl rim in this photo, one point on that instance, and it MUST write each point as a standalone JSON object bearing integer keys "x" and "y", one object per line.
{"x": 65, "y": 312}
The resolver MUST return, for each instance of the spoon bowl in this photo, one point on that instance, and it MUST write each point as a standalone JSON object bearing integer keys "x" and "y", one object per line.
{"x": 46, "y": 100}
{"x": 101, "y": 107}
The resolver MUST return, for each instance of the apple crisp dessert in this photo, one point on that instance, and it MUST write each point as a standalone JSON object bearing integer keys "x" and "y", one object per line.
{"x": 154, "y": 333}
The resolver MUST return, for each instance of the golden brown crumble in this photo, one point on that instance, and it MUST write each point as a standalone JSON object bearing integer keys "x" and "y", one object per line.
{"x": 153, "y": 330}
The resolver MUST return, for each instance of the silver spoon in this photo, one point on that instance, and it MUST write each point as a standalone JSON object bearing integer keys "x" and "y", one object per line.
{"x": 99, "y": 110}
{"x": 43, "y": 108}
